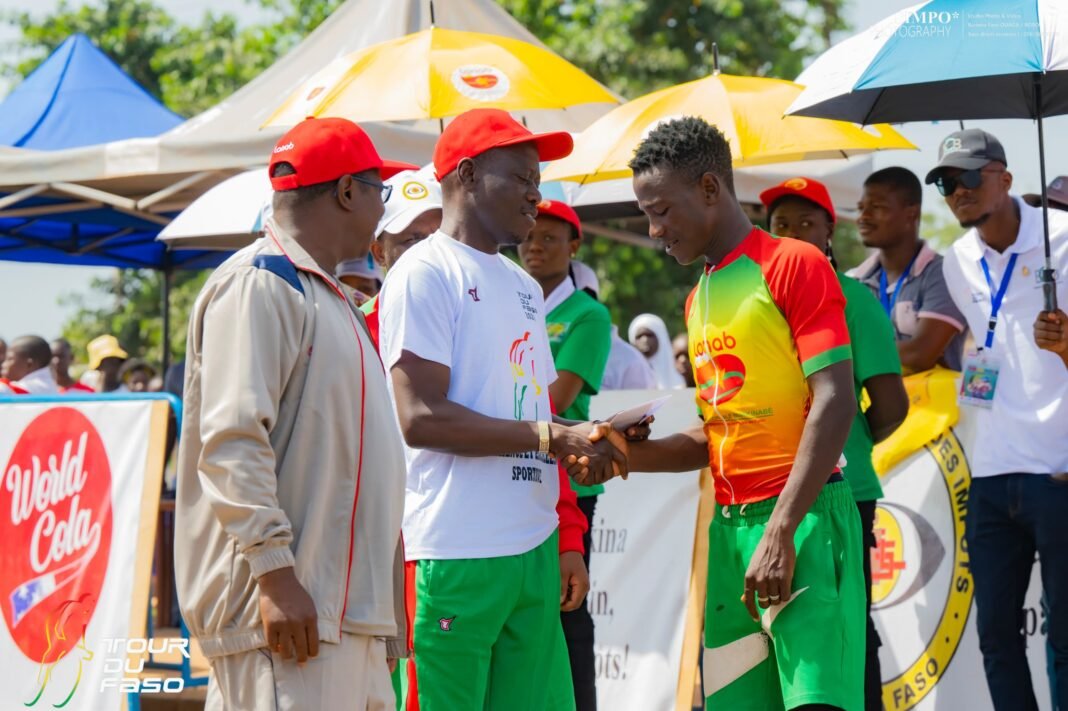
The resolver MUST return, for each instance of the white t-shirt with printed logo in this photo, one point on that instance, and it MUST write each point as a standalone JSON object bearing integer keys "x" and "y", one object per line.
{"x": 1026, "y": 429}
{"x": 484, "y": 318}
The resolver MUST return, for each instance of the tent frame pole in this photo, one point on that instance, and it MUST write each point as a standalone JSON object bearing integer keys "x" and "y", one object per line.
{"x": 168, "y": 273}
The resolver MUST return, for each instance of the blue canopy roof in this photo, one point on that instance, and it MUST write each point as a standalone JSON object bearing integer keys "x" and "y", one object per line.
{"x": 79, "y": 97}
{"x": 95, "y": 238}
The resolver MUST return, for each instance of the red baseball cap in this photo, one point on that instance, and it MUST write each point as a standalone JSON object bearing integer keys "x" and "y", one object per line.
{"x": 811, "y": 190}
{"x": 561, "y": 211}
{"x": 324, "y": 149}
{"x": 476, "y": 131}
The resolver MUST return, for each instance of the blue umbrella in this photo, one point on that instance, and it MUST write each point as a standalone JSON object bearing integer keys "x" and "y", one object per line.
{"x": 946, "y": 60}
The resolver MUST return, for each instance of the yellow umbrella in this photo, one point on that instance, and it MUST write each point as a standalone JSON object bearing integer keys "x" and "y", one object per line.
{"x": 749, "y": 111}
{"x": 438, "y": 73}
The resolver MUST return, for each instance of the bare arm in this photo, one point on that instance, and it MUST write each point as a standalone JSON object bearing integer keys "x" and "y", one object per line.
{"x": 429, "y": 420}
{"x": 822, "y": 442}
{"x": 922, "y": 351}
{"x": 771, "y": 568}
{"x": 565, "y": 389}
{"x": 889, "y": 405}
{"x": 681, "y": 452}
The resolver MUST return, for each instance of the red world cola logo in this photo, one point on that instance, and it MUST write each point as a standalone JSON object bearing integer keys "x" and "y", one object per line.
{"x": 55, "y": 524}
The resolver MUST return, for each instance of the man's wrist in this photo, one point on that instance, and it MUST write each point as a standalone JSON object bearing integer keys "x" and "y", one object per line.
{"x": 544, "y": 437}
{"x": 278, "y": 575}
{"x": 781, "y": 527}
{"x": 555, "y": 434}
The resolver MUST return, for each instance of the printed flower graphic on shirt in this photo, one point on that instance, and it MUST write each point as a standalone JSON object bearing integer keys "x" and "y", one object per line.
{"x": 521, "y": 356}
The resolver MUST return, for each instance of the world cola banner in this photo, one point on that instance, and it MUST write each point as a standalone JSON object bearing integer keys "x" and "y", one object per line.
{"x": 646, "y": 590}
{"x": 78, "y": 506}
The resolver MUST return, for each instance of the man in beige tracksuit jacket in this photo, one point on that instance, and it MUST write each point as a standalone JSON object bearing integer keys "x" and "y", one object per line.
{"x": 291, "y": 468}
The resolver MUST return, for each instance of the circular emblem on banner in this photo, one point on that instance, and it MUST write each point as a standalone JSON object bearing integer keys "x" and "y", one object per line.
{"x": 796, "y": 184}
{"x": 414, "y": 190}
{"x": 481, "y": 82}
{"x": 55, "y": 524}
{"x": 889, "y": 539}
{"x": 921, "y": 583}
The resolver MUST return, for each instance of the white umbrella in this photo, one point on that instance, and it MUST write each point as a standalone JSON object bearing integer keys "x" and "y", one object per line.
{"x": 229, "y": 216}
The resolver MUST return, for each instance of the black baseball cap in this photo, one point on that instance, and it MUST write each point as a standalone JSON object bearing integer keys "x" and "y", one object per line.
{"x": 967, "y": 150}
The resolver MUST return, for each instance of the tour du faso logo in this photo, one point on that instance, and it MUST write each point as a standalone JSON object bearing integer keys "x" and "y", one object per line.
{"x": 928, "y": 23}
{"x": 921, "y": 582}
{"x": 481, "y": 82}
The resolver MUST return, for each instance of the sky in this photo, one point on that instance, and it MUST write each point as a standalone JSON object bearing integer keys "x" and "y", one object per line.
{"x": 45, "y": 316}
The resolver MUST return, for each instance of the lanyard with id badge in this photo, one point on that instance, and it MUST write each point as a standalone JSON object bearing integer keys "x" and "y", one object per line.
{"x": 980, "y": 380}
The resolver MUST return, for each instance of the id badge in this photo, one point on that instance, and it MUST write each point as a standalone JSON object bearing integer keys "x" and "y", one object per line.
{"x": 979, "y": 381}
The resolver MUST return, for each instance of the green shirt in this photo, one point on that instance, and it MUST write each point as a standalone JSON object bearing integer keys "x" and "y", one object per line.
{"x": 580, "y": 337}
{"x": 874, "y": 353}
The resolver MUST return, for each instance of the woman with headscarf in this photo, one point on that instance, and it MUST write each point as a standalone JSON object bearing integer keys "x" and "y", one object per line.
{"x": 648, "y": 333}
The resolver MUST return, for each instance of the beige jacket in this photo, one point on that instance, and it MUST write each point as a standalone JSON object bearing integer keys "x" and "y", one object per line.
{"x": 290, "y": 455}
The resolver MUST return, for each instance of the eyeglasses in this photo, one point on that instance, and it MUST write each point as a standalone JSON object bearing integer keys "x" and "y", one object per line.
{"x": 969, "y": 179}
{"x": 386, "y": 190}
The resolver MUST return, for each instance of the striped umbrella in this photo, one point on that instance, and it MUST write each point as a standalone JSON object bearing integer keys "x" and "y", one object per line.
{"x": 950, "y": 60}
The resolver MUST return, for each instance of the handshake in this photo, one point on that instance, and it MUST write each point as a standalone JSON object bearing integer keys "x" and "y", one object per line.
{"x": 594, "y": 452}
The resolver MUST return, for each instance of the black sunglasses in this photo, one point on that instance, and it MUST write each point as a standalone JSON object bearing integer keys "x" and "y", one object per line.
{"x": 970, "y": 179}
{"x": 386, "y": 190}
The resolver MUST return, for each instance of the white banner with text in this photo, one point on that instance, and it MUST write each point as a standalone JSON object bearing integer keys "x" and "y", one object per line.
{"x": 78, "y": 506}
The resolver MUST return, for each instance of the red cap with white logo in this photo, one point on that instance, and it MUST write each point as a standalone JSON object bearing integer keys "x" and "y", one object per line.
{"x": 324, "y": 149}
{"x": 474, "y": 132}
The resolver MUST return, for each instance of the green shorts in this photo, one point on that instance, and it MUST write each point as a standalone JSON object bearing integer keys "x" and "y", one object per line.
{"x": 809, "y": 650}
{"x": 488, "y": 636}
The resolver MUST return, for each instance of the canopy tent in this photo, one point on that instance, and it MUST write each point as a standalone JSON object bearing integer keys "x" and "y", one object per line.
{"x": 151, "y": 179}
{"x": 79, "y": 97}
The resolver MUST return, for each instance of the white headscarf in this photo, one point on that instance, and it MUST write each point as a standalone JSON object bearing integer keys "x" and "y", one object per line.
{"x": 663, "y": 361}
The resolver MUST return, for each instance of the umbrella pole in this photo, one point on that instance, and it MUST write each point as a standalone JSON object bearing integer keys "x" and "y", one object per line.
{"x": 1049, "y": 287}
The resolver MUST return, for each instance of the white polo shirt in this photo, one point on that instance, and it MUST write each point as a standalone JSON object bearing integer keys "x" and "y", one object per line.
{"x": 483, "y": 317}
{"x": 1026, "y": 429}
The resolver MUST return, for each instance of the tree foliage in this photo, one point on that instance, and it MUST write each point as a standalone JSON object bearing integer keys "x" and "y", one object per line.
{"x": 188, "y": 67}
{"x": 131, "y": 311}
{"x": 632, "y": 46}
{"x": 638, "y": 46}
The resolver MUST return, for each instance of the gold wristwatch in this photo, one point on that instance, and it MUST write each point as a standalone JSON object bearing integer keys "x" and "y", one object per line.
{"x": 543, "y": 437}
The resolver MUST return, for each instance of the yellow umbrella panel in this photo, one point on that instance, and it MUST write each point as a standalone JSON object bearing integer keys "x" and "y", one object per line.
{"x": 438, "y": 73}
{"x": 749, "y": 111}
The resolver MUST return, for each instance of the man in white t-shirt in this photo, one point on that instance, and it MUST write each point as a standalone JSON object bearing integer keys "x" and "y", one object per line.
{"x": 463, "y": 335}
{"x": 26, "y": 368}
{"x": 1016, "y": 384}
